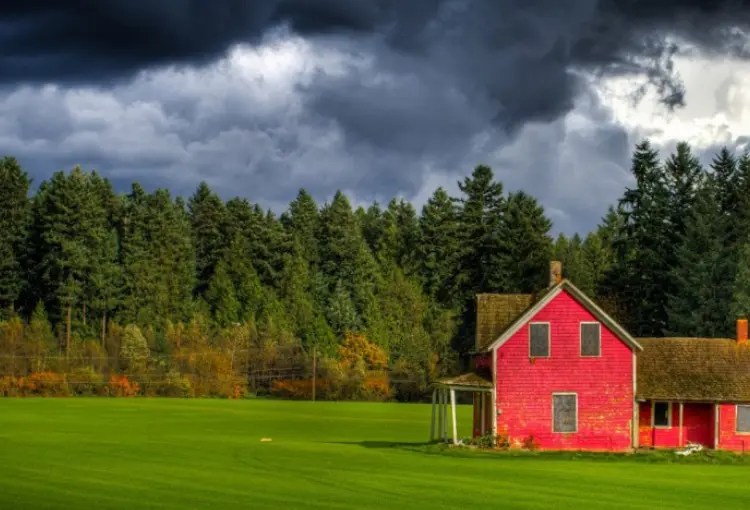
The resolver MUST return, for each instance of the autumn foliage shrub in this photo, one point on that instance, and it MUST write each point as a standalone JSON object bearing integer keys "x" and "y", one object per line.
{"x": 44, "y": 384}
{"x": 120, "y": 386}
{"x": 358, "y": 374}
{"x": 301, "y": 389}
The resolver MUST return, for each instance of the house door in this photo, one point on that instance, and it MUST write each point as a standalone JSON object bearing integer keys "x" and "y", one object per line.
{"x": 698, "y": 423}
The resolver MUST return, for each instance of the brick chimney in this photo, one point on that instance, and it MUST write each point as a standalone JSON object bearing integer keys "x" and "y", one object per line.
{"x": 741, "y": 331}
{"x": 555, "y": 272}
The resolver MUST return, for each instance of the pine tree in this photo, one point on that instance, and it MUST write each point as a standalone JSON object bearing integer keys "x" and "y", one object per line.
{"x": 529, "y": 245}
{"x": 303, "y": 222}
{"x": 372, "y": 225}
{"x": 207, "y": 218}
{"x": 485, "y": 261}
{"x": 739, "y": 307}
{"x": 485, "y": 264}
{"x": 698, "y": 303}
{"x": 68, "y": 226}
{"x": 439, "y": 250}
{"x": 106, "y": 280}
{"x": 641, "y": 280}
{"x": 14, "y": 208}
{"x": 221, "y": 296}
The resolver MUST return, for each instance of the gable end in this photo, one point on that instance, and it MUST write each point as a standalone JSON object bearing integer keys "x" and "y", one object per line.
{"x": 579, "y": 296}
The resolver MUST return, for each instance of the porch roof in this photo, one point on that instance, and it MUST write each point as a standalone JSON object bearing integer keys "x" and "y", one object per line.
{"x": 693, "y": 369}
{"x": 467, "y": 380}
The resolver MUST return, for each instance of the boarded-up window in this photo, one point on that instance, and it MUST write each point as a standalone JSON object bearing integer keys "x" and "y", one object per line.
{"x": 661, "y": 414}
{"x": 591, "y": 339}
{"x": 565, "y": 413}
{"x": 539, "y": 340}
{"x": 743, "y": 418}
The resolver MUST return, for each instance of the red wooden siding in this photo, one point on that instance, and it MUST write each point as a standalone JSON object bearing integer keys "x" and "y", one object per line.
{"x": 729, "y": 438}
{"x": 604, "y": 384}
{"x": 697, "y": 426}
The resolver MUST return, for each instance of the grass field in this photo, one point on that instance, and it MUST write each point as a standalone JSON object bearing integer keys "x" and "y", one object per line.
{"x": 139, "y": 453}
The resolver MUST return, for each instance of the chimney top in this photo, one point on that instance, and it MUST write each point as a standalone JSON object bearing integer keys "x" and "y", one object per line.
{"x": 555, "y": 272}
{"x": 741, "y": 331}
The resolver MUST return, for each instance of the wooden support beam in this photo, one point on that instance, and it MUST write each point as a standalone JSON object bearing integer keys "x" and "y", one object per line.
{"x": 716, "y": 426}
{"x": 681, "y": 434}
{"x": 482, "y": 412}
{"x": 432, "y": 419}
{"x": 453, "y": 412}
{"x": 440, "y": 412}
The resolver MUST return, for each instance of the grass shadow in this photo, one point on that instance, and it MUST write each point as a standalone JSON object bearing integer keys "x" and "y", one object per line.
{"x": 424, "y": 447}
{"x": 645, "y": 456}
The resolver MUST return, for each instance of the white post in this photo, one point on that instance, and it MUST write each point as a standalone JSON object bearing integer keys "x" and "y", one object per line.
{"x": 453, "y": 411}
{"x": 440, "y": 412}
{"x": 443, "y": 415}
{"x": 680, "y": 424}
{"x": 432, "y": 419}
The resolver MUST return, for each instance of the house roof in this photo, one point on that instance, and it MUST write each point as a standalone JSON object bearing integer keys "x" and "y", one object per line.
{"x": 495, "y": 313}
{"x": 697, "y": 369}
{"x": 470, "y": 380}
{"x": 500, "y": 316}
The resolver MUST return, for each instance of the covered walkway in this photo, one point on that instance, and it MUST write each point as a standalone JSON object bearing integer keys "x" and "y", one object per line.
{"x": 446, "y": 389}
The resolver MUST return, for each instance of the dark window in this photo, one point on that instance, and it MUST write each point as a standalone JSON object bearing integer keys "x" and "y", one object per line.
{"x": 591, "y": 339}
{"x": 565, "y": 413}
{"x": 743, "y": 418}
{"x": 539, "y": 340}
{"x": 661, "y": 414}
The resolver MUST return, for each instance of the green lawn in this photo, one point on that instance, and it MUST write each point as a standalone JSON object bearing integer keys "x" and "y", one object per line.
{"x": 140, "y": 453}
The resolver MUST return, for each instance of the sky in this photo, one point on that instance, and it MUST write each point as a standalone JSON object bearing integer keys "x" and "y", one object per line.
{"x": 377, "y": 98}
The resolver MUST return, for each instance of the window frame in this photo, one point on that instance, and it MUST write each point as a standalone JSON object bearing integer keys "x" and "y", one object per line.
{"x": 669, "y": 414}
{"x": 549, "y": 339}
{"x": 737, "y": 419}
{"x": 580, "y": 340}
{"x": 566, "y": 394}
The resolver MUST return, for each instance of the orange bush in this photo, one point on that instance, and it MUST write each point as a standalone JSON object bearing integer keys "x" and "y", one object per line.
{"x": 377, "y": 387}
{"x": 357, "y": 347}
{"x": 301, "y": 389}
{"x": 44, "y": 384}
{"x": 120, "y": 386}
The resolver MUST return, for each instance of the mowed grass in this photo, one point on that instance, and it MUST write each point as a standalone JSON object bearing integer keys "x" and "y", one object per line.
{"x": 141, "y": 453}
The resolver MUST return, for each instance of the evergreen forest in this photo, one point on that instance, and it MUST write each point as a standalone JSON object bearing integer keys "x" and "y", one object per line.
{"x": 146, "y": 293}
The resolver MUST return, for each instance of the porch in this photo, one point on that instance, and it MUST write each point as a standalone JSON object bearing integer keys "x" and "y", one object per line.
{"x": 677, "y": 423}
{"x": 444, "y": 393}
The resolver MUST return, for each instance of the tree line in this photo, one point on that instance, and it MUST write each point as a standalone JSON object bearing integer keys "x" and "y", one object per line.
{"x": 208, "y": 297}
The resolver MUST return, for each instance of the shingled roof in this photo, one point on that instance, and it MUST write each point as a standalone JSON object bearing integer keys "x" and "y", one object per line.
{"x": 495, "y": 313}
{"x": 469, "y": 380}
{"x": 697, "y": 369}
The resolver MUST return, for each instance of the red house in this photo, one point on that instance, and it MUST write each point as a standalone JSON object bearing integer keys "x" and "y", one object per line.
{"x": 556, "y": 369}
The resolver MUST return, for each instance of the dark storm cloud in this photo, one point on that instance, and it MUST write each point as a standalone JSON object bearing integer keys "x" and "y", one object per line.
{"x": 428, "y": 84}
{"x": 91, "y": 40}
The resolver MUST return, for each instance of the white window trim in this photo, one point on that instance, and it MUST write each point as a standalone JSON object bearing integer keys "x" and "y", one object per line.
{"x": 549, "y": 339}
{"x": 561, "y": 393}
{"x": 737, "y": 419}
{"x": 580, "y": 339}
{"x": 669, "y": 415}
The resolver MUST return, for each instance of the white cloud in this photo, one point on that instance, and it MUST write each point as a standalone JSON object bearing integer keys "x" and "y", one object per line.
{"x": 717, "y": 109}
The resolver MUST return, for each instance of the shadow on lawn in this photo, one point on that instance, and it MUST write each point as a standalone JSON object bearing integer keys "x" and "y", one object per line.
{"x": 418, "y": 447}
{"x": 647, "y": 456}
